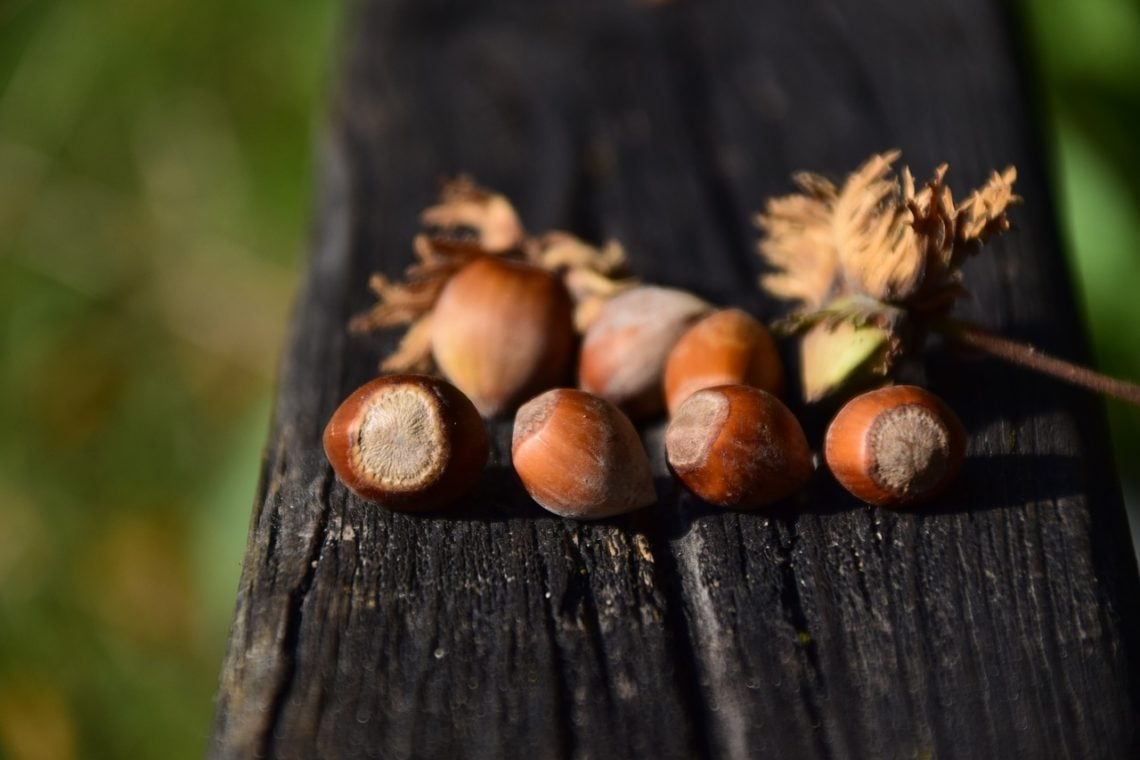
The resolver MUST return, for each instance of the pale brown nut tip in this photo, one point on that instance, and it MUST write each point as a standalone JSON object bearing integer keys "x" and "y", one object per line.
{"x": 407, "y": 442}
{"x": 895, "y": 446}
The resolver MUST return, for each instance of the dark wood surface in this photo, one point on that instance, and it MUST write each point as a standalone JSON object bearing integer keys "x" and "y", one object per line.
{"x": 999, "y": 622}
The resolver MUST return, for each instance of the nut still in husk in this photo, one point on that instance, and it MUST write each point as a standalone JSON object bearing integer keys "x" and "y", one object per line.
{"x": 493, "y": 308}
{"x": 875, "y": 265}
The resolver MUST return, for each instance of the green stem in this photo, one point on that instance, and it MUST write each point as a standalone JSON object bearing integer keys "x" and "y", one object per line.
{"x": 1025, "y": 355}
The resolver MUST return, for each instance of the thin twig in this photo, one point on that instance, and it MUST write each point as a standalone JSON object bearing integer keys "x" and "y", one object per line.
{"x": 1025, "y": 355}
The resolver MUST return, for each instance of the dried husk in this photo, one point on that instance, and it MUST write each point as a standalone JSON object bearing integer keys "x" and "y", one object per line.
{"x": 468, "y": 222}
{"x": 876, "y": 253}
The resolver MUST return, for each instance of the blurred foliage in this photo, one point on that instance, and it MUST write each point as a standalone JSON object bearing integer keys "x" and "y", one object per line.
{"x": 1087, "y": 57}
{"x": 154, "y": 200}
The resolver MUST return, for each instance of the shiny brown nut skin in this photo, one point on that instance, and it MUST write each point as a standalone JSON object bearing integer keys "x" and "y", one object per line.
{"x": 579, "y": 456}
{"x": 501, "y": 331}
{"x": 624, "y": 350}
{"x": 738, "y": 447}
{"x": 895, "y": 446}
{"x": 727, "y": 347}
{"x": 407, "y": 442}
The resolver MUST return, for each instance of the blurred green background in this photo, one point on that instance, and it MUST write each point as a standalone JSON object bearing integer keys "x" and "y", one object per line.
{"x": 154, "y": 206}
{"x": 155, "y": 185}
{"x": 1086, "y": 57}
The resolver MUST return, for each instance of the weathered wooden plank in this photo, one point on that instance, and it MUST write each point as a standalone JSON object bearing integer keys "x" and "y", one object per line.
{"x": 1000, "y": 622}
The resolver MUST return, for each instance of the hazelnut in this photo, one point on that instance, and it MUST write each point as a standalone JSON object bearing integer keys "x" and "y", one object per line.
{"x": 409, "y": 442}
{"x": 727, "y": 347}
{"x": 624, "y": 349}
{"x": 895, "y": 446}
{"x": 737, "y": 446}
{"x": 502, "y": 331}
{"x": 579, "y": 456}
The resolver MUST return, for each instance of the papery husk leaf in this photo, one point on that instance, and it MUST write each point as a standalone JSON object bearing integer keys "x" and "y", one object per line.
{"x": 561, "y": 251}
{"x": 591, "y": 274}
{"x": 413, "y": 354}
{"x": 880, "y": 255}
{"x": 590, "y": 291}
{"x": 932, "y": 214}
{"x": 401, "y": 303}
{"x": 889, "y": 241}
{"x": 471, "y": 214}
{"x": 983, "y": 214}
{"x": 799, "y": 244}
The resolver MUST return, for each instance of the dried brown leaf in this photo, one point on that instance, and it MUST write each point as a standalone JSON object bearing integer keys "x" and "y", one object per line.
{"x": 559, "y": 251}
{"x": 592, "y": 275}
{"x": 400, "y": 303}
{"x": 472, "y": 215}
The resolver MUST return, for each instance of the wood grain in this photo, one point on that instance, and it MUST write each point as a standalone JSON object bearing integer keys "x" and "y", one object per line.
{"x": 999, "y": 622}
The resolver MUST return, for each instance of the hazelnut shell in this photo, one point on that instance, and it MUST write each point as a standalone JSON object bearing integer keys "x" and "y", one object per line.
{"x": 737, "y": 446}
{"x": 578, "y": 456}
{"x": 624, "y": 350}
{"x": 408, "y": 442}
{"x": 727, "y": 347}
{"x": 502, "y": 331}
{"x": 895, "y": 446}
